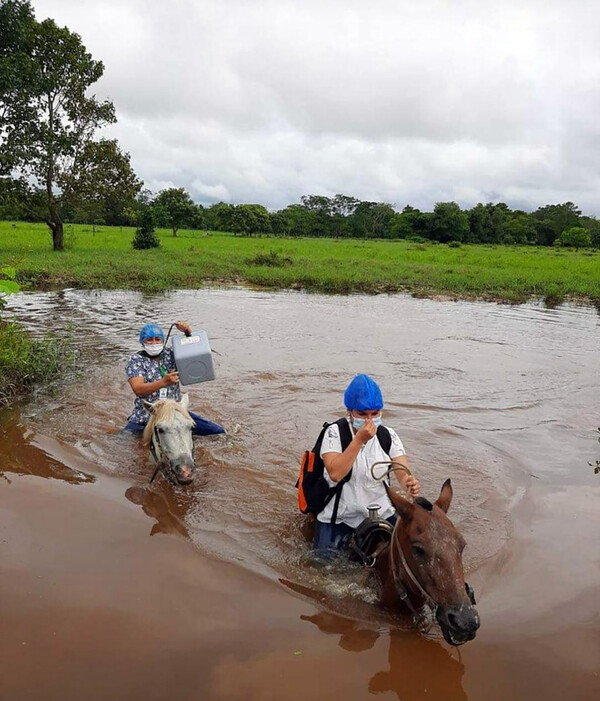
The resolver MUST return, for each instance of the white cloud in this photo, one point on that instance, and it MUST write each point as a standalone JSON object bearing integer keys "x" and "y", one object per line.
{"x": 392, "y": 100}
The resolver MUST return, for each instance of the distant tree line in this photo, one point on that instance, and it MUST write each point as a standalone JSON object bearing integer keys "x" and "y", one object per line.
{"x": 347, "y": 217}
{"x": 319, "y": 216}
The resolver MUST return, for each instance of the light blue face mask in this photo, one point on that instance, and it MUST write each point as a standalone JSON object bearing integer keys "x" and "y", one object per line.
{"x": 359, "y": 423}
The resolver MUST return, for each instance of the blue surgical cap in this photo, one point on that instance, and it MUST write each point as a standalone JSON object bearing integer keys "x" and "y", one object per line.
{"x": 151, "y": 331}
{"x": 363, "y": 394}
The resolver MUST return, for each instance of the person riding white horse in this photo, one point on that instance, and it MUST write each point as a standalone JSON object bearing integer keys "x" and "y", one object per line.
{"x": 152, "y": 375}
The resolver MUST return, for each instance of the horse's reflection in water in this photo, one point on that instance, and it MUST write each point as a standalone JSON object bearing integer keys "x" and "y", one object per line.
{"x": 418, "y": 668}
{"x": 159, "y": 504}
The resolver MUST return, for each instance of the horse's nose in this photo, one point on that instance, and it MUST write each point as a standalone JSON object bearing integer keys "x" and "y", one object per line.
{"x": 184, "y": 471}
{"x": 462, "y": 618}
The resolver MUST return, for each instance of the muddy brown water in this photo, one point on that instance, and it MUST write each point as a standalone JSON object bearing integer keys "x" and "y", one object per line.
{"x": 111, "y": 589}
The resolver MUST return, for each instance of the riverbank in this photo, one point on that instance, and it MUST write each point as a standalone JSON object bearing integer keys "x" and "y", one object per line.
{"x": 25, "y": 362}
{"x": 105, "y": 259}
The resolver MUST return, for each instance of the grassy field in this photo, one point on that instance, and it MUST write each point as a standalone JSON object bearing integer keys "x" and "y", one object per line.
{"x": 107, "y": 260}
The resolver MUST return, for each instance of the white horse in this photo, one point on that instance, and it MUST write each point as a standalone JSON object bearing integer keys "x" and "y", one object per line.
{"x": 168, "y": 433}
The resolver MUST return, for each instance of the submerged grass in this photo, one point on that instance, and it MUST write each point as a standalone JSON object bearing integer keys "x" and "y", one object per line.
{"x": 26, "y": 362}
{"x": 193, "y": 258}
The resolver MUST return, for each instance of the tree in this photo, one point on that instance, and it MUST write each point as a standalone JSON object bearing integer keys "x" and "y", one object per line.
{"x": 294, "y": 220}
{"x": 46, "y": 118}
{"x": 480, "y": 225}
{"x": 550, "y": 221}
{"x": 410, "y": 222}
{"x": 218, "y": 216}
{"x": 250, "y": 219}
{"x": 519, "y": 229}
{"x": 577, "y": 237}
{"x": 317, "y": 203}
{"x": 18, "y": 200}
{"x": 373, "y": 219}
{"x": 593, "y": 226}
{"x": 449, "y": 223}
{"x": 101, "y": 184}
{"x": 175, "y": 207}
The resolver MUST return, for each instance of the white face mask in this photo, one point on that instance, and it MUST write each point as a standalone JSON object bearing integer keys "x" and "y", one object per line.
{"x": 153, "y": 349}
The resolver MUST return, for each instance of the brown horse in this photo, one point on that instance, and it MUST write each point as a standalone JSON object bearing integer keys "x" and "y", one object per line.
{"x": 422, "y": 567}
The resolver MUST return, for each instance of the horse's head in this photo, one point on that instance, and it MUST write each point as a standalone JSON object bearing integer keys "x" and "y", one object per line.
{"x": 432, "y": 549}
{"x": 170, "y": 428}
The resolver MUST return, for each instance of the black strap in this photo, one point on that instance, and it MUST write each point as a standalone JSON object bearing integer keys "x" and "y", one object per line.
{"x": 345, "y": 439}
{"x": 385, "y": 439}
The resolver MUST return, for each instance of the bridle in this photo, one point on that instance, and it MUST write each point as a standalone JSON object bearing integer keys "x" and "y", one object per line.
{"x": 429, "y": 604}
{"x": 428, "y": 610}
{"x": 163, "y": 466}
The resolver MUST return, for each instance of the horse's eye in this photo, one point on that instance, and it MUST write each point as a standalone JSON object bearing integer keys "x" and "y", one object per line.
{"x": 160, "y": 429}
{"x": 418, "y": 550}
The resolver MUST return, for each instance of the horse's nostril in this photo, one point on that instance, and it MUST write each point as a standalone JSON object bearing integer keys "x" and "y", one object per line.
{"x": 452, "y": 620}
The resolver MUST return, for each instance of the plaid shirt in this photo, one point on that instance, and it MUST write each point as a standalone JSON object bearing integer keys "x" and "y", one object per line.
{"x": 141, "y": 365}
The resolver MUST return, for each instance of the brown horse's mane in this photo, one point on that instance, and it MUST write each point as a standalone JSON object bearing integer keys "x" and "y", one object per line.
{"x": 163, "y": 410}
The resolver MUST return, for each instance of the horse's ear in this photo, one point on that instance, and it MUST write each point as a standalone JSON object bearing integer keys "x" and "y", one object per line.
{"x": 445, "y": 497}
{"x": 185, "y": 400}
{"x": 403, "y": 507}
{"x": 148, "y": 406}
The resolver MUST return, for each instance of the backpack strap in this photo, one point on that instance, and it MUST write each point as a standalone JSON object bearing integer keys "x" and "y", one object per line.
{"x": 385, "y": 439}
{"x": 345, "y": 439}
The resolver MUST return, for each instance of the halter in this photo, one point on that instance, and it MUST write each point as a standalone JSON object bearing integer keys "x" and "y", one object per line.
{"x": 162, "y": 465}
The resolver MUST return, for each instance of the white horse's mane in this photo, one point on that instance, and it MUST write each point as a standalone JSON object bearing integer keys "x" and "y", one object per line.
{"x": 164, "y": 410}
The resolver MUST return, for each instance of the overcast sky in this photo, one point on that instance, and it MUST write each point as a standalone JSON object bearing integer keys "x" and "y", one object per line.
{"x": 401, "y": 101}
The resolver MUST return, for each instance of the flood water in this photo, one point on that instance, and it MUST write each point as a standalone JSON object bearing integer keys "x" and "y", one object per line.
{"x": 223, "y": 602}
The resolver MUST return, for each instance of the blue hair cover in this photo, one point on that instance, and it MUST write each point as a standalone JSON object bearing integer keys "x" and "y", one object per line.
{"x": 363, "y": 394}
{"x": 151, "y": 331}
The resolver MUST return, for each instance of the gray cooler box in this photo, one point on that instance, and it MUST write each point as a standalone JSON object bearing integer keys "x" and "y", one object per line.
{"x": 193, "y": 358}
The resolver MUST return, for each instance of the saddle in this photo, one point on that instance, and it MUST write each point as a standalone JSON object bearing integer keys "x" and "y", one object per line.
{"x": 369, "y": 539}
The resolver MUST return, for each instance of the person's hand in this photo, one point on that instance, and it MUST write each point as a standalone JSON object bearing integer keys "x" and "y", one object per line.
{"x": 171, "y": 378}
{"x": 184, "y": 327}
{"x": 412, "y": 486}
{"x": 366, "y": 431}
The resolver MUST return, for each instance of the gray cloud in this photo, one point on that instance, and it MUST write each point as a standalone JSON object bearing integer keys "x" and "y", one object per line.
{"x": 386, "y": 100}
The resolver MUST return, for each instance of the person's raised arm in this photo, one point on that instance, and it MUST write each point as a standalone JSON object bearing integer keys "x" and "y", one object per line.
{"x": 338, "y": 465}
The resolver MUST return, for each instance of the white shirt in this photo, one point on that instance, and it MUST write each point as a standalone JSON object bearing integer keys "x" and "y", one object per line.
{"x": 361, "y": 489}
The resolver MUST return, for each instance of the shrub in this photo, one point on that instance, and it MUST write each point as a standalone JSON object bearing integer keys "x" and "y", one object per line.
{"x": 271, "y": 260}
{"x": 577, "y": 237}
{"x": 145, "y": 236}
{"x": 454, "y": 244}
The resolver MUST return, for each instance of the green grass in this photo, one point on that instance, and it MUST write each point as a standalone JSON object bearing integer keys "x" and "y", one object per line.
{"x": 107, "y": 260}
{"x": 26, "y": 362}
